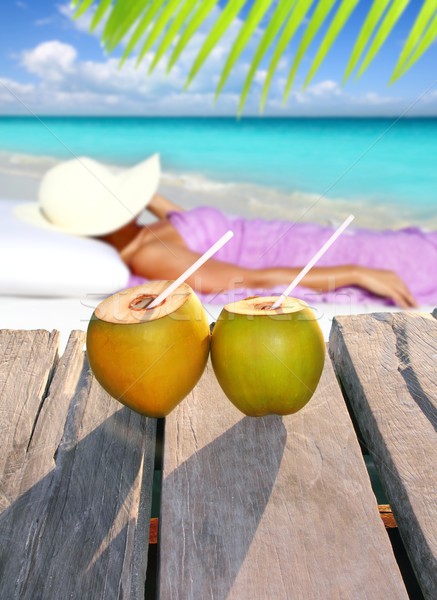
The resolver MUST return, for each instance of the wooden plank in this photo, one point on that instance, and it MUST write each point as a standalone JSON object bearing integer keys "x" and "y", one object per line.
{"x": 387, "y": 365}
{"x": 27, "y": 362}
{"x": 76, "y": 524}
{"x": 269, "y": 507}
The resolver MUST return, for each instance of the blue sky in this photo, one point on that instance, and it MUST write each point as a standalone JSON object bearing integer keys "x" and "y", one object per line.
{"x": 50, "y": 64}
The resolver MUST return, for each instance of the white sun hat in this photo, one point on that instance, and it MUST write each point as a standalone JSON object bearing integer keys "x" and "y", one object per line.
{"x": 84, "y": 197}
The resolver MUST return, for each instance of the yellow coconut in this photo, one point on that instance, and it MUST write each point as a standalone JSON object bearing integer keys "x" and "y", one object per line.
{"x": 267, "y": 361}
{"x": 149, "y": 359}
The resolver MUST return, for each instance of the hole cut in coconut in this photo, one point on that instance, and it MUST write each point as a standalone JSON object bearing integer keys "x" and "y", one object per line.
{"x": 131, "y": 306}
{"x": 262, "y": 306}
{"x": 256, "y": 305}
{"x": 143, "y": 301}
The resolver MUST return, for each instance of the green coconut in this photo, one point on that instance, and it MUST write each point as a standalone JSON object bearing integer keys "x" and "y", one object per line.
{"x": 268, "y": 361}
{"x": 149, "y": 358}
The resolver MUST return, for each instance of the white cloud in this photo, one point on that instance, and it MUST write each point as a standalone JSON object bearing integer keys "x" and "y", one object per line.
{"x": 376, "y": 99}
{"x": 50, "y": 60}
{"x": 324, "y": 88}
{"x": 66, "y": 84}
{"x": 11, "y": 92}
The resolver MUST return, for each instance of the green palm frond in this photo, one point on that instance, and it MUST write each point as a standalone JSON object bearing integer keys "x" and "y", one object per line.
{"x": 100, "y": 13}
{"x": 143, "y": 23}
{"x": 179, "y": 19}
{"x": 372, "y": 20}
{"x": 294, "y": 21}
{"x": 219, "y": 28}
{"x": 259, "y": 9}
{"x": 84, "y": 6}
{"x": 343, "y": 13}
{"x": 393, "y": 14}
{"x": 191, "y": 27}
{"x": 280, "y": 15}
{"x": 159, "y": 25}
{"x": 166, "y": 27}
{"x": 423, "y": 45}
{"x": 421, "y": 25}
{"x": 322, "y": 11}
{"x": 120, "y": 21}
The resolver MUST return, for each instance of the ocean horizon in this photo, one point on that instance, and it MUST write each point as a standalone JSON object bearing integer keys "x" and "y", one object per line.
{"x": 324, "y": 166}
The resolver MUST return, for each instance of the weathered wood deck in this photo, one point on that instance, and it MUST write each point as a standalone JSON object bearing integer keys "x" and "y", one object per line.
{"x": 76, "y": 473}
{"x": 250, "y": 508}
{"x": 391, "y": 381}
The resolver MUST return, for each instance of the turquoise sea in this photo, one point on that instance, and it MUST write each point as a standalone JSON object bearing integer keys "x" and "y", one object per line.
{"x": 389, "y": 163}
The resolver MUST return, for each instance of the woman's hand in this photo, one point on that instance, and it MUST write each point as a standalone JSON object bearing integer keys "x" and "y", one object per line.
{"x": 386, "y": 284}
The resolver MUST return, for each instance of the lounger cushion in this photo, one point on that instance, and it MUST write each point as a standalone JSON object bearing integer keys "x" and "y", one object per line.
{"x": 39, "y": 262}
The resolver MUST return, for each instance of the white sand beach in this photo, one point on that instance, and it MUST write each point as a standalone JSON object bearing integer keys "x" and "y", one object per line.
{"x": 19, "y": 180}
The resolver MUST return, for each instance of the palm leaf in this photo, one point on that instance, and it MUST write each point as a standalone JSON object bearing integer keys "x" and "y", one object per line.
{"x": 176, "y": 21}
{"x": 391, "y": 18}
{"x": 319, "y": 16}
{"x": 140, "y": 29}
{"x": 422, "y": 21}
{"x": 294, "y": 21}
{"x": 172, "y": 31}
{"x": 257, "y": 12}
{"x": 158, "y": 26}
{"x": 85, "y": 5}
{"x": 280, "y": 15}
{"x": 77, "y": 4}
{"x": 219, "y": 28}
{"x": 123, "y": 16}
{"x": 425, "y": 42}
{"x": 100, "y": 13}
{"x": 370, "y": 24}
{"x": 343, "y": 13}
{"x": 192, "y": 26}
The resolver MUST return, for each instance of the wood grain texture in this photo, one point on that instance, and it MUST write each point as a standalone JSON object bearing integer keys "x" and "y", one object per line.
{"x": 388, "y": 365}
{"x": 27, "y": 362}
{"x": 272, "y": 507}
{"x": 76, "y": 511}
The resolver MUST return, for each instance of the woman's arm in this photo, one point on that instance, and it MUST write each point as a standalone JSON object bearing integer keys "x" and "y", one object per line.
{"x": 160, "y": 206}
{"x": 157, "y": 261}
{"x": 380, "y": 282}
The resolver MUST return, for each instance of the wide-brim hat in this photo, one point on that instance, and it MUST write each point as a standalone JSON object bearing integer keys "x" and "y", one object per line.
{"x": 84, "y": 197}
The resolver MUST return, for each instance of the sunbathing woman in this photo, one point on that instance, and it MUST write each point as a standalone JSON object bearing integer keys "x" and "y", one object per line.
{"x": 84, "y": 197}
{"x": 266, "y": 254}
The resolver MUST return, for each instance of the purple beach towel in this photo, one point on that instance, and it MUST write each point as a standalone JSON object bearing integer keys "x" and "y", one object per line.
{"x": 410, "y": 252}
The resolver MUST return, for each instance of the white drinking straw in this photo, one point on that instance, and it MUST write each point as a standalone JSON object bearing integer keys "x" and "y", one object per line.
{"x": 312, "y": 262}
{"x": 199, "y": 262}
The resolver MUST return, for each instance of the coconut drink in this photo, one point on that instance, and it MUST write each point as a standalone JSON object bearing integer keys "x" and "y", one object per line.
{"x": 268, "y": 353}
{"x": 149, "y": 358}
{"x": 267, "y": 361}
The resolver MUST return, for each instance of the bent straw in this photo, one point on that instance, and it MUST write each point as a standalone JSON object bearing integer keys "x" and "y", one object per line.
{"x": 312, "y": 262}
{"x": 199, "y": 262}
